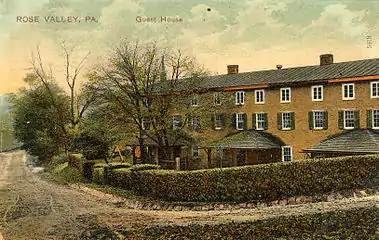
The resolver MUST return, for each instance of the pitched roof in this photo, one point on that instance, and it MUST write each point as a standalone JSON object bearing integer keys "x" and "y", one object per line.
{"x": 352, "y": 141}
{"x": 249, "y": 139}
{"x": 357, "y": 68}
{"x": 174, "y": 140}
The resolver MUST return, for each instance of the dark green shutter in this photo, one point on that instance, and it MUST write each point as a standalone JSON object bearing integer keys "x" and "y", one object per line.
{"x": 265, "y": 125}
{"x": 189, "y": 120}
{"x": 172, "y": 123}
{"x": 234, "y": 121}
{"x": 254, "y": 121}
{"x": 213, "y": 121}
{"x": 340, "y": 120}
{"x": 310, "y": 120}
{"x": 244, "y": 117}
{"x": 325, "y": 120}
{"x": 279, "y": 121}
{"x": 180, "y": 121}
{"x": 357, "y": 122}
{"x": 369, "y": 119}
{"x": 223, "y": 123}
{"x": 292, "y": 120}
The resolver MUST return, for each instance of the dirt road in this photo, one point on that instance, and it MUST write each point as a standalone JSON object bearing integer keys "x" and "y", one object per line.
{"x": 33, "y": 208}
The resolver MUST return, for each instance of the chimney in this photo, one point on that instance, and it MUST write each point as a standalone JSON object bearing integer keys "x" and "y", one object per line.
{"x": 279, "y": 66}
{"x": 326, "y": 59}
{"x": 232, "y": 69}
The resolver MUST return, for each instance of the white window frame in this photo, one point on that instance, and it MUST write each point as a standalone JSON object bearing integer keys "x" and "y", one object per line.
{"x": 372, "y": 88}
{"x": 344, "y": 119}
{"x": 217, "y": 96}
{"x": 175, "y": 123}
{"x": 240, "y": 97}
{"x": 373, "y": 118}
{"x": 195, "y": 101}
{"x": 257, "y": 121}
{"x": 239, "y": 119}
{"x": 314, "y": 119}
{"x": 314, "y": 99}
{"x": 291, "y": 153}
{"x": 220, "y": 121}
{"x": 290, "y": 115}
{"x": 289, "y": 95}
{"x": 343, "y": 91}
{"x": 195, "y": 151}
{"x": 256, "y": 93}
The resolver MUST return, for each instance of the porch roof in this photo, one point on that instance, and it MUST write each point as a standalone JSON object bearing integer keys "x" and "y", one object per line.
{"x": 173, "y": 141}
{"x": 249, "y": 139}
{"x": 351, "y": 141}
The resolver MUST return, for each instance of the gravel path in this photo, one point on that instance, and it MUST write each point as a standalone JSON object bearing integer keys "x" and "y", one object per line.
{"x": 33, "y": 208}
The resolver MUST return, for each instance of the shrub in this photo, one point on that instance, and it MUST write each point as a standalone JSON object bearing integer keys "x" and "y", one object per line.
{"x": 266, "y": 182}
{"x": 141, "y": 167}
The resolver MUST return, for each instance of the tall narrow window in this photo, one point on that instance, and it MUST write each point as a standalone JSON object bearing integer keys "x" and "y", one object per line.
{"x": 285, "y": 95}
{"x": 194, "y": 100}
{"x": 176, "y": 121}
{"x": 375, "y": 90}
{"x": 239, "y": 121}
{"x": 319, "y": 119}
{"x": 348, "y": 91}
{"x": 240, "y": 98}
{"x": 286, "y": 153}
{"x": 317, "y": 93}
{"x": 261, "y": 121}
{"x": 145, "y": 124}
{"x": 217, "y": 96}
{"x": 375, "y": 119}
{"x": 196, "y": 123}
{"x": 260, "y": 96}
{"x": 218, "y": 121}
{"x": 286, "y": 121}
{"x": 349, "y": 119}
{"x": 195, "y": 151}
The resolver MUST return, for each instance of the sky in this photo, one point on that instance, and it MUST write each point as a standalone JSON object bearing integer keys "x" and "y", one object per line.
{"x": 255, "y": 34}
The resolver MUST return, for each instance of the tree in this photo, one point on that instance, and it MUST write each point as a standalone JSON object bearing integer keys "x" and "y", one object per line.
{"x": 134, "y": 78}
{"x": 35, "y": 120}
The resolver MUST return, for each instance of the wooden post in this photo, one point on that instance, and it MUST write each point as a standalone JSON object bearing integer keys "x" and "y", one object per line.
{"x": 119, "y": 152}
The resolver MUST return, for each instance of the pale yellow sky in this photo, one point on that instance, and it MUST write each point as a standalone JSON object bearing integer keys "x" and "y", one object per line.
{"x": 255, "y": 34}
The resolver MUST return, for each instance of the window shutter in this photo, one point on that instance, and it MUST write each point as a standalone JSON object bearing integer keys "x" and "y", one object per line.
{"x": 189, "y": 120}
{"x": 234, "y": 121}
{"x": 292, "y": 120}
{"x": 254, "y": 121}
{"x": 213, "y": 121}
{"x": 223, "y": 121}
{"x": 369, "y": 119}
{"x": 180, "y": 121}
{"x": 340, "y": 119}
{"x": 172, "y": 123}
{"x": 310, "y": 120}
{"x": 244, "y": 117}
{"x": 265, "y": 125}
{"x": 357, "y": 123}
{"x": 325, "y": 120}
{"x": 279, "y": 121}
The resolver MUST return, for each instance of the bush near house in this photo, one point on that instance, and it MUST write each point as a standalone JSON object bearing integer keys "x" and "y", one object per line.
{"x": 249, "y": 183}
{"x": 358, "y": 223}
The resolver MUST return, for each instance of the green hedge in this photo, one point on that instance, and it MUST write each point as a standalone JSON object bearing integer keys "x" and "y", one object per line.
{"x": 141, "y": 167}
{"x": 265, "y": 182}
{"x": 357, "y": 223}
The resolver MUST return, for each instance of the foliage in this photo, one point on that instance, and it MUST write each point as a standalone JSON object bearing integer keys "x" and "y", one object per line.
{"x": 37, "y": 123}
{"x": 65, "y": 174}
{"x": 141, "y": 167}
{"x": 251, "y": 183}
{"x": 357, "y": 223}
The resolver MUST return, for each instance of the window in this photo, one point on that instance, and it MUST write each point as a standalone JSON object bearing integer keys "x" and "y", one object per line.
{"x": 240, "y": 98}
{"x": 176, "y": 121}
{"x": 260, "y": 96}
{"x": 286, "y": 153}
{"x": 349, "y": 119}
{"x": 375, "y": 119}
{"x": 317, "y": 93}
{"x": 239, "y": 121}
{"x": 318, "y": 120}
{"x": 196, "y": 123}
{"x": 286, "y": 121}
{"x": 195, "y": 151}
{"x": 217, "y": 98}
{"x": 261, "y": 121}
{"x": 375, "y": 90}
{"x": 348, "y": 91}
{"x": 194, "y": 100}
{"x": 145, "y": 124}
{"x": 285, "y": 95}
{"x": 218, "y": 121}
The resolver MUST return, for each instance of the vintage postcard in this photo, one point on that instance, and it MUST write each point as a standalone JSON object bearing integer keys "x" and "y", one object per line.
{"x": 174, "y": 119}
